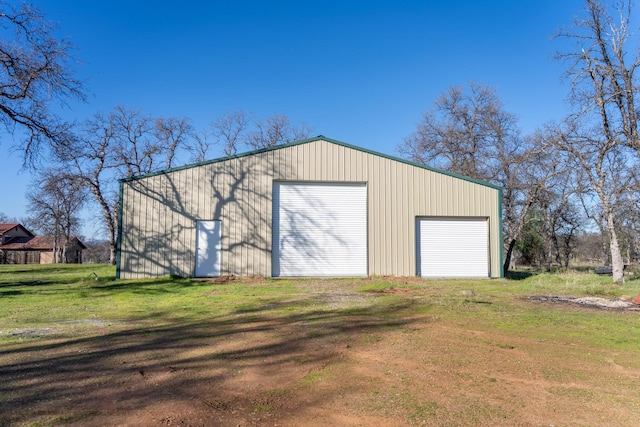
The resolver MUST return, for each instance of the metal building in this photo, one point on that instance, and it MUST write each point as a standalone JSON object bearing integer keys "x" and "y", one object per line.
{"x": 316, "y": 207}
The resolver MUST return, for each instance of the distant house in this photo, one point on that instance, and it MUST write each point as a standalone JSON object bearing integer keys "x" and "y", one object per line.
{"x": 13, "y": 231}
{"x": 20, "y": 246}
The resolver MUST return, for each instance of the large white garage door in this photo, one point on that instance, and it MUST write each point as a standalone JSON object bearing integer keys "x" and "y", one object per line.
{"x": 319, "y": 229}
{"x": 453, "y": 247}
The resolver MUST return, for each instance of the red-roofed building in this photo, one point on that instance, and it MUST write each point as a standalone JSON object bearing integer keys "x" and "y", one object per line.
{"x": 20, "y": 246}
{"x": 11, "y": 231}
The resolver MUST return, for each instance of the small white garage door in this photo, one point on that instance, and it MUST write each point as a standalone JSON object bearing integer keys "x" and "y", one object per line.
{"x": 208, "y": 248}
{"x": 319, "y": 229}
{"x": 452, "y": 247}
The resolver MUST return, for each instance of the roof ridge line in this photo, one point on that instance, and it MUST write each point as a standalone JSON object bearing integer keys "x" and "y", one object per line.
{"x": 306, "y": 141}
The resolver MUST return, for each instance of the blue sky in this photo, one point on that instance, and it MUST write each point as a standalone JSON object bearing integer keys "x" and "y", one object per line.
{"x": 361, "y": 72}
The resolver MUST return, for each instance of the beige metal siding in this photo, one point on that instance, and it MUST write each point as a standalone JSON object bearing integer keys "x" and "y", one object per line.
{"x": 159, "y": 212}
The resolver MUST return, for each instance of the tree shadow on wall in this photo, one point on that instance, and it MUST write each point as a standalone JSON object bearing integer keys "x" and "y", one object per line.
{"x": 160, "y": 214}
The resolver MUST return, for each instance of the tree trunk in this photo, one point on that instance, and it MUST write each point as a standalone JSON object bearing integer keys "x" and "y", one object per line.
{"x": 55, "y": 249}
{"x": 112, "y": 254}
{"x": 109, "y": 219}
{"x": 507, "y": 257}
{"x": 617, "y": 264}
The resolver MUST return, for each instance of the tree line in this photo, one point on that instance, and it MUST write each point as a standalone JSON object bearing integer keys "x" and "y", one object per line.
{"x": 569, "y": 186}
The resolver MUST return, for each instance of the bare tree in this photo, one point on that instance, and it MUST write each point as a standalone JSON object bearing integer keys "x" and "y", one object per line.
{"x": 134, "y": 147}
{"x": 589, "y": 247}
{"x": 563, "y": 221}
{"x": 465, "y": 133}
{"x": 526, "y": 177}
{"x": 91, "y": 162}
{"x": 593, "y": 212}
{"x": 126, "y": 143}
{"x": 275, "y": 130}
{"x": 629, "y": 232}
{"x": 5, "y": 218}
{"x": 603, "y": 86}
{"x": 97, "y": 252}
{"x": 54, "y": 205}
{"x": 140, "y": 143}
{"x": 200, "y": 146}
{"x": 229, "y": 129}
{"x": 172, "y": 134}
{"x": 118, "y": 145}
{"x": 238, "y": 130}
{"x": 35, "y": 69}
{"x": 604, "y": 166}
{"x": 469, "y": 132}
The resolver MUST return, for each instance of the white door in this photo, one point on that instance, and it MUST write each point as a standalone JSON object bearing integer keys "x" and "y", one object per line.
{"x": 208, "y": 248}
{"x": 452, "y": 247}
{"x": 320, "y": 229}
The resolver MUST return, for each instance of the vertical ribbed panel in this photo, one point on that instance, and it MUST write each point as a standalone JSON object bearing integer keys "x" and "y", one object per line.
{"x": 160, "y": 212}
{"x": 320, "y": 229}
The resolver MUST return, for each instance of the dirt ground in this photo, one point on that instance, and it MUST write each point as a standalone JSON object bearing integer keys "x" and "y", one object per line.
{"x": 340, "y": 368}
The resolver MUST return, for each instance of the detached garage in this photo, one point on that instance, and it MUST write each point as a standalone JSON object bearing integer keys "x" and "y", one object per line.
{"x": 316, "y": 207}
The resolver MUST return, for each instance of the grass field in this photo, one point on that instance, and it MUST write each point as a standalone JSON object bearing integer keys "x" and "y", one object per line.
{"x": 78, "y": 347}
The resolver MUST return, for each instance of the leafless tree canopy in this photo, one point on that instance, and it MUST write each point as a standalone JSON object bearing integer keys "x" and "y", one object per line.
{"x": 238, "y": 130}
{"x": 122, "y": 144}
{"x": 55, "y": 202}
{"x": 602, "y": 69}
{"x": 588, "y": 161}
{"x": 36, "y": 69}
{"x": 229, "y": 130}
{"x": 583, "y": 168}
{"x": 469, "y": 132}
{"x": 126, "y": 143}
{"x": 601, "y": 134}
{"x": 275, "y": 130}
{"x": 5, "y": 218}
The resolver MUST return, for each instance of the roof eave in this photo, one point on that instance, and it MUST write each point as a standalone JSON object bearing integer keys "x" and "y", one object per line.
{"x": 306, "y": 141}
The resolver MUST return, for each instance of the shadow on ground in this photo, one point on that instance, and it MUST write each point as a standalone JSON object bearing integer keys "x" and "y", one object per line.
{"x": 115, "y": 371}
{"x": 518, "y": 275}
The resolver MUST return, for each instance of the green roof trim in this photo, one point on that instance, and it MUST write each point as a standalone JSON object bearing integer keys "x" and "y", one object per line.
{"x": 306, "y": 141}
{"x": 119, "y": 235}
{"x": 501, "y": 231}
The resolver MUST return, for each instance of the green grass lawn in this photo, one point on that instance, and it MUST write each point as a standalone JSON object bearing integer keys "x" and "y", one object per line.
{"x": 39, "y": 296}
{"x": 76, "y": 320}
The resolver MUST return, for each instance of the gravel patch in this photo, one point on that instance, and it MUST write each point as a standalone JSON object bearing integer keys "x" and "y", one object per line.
{"x": 594, "y": 302}
{"x": 57, "y": 329}
{"x": 601, "y": 302}
{"x": 94, "y": 322}
{"x": 343, "y": 300}
{"x": 29, "y": 333}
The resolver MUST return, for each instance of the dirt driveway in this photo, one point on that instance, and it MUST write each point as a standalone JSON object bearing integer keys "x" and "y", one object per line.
{"x": 351, "y": 365}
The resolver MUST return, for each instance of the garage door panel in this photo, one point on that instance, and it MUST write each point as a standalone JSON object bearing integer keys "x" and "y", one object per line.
{"x": 320, "y": 229}
{"x": 452, "y": 247}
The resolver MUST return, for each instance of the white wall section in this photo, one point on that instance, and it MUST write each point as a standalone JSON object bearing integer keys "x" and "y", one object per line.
{"x": 208, "y": 248}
